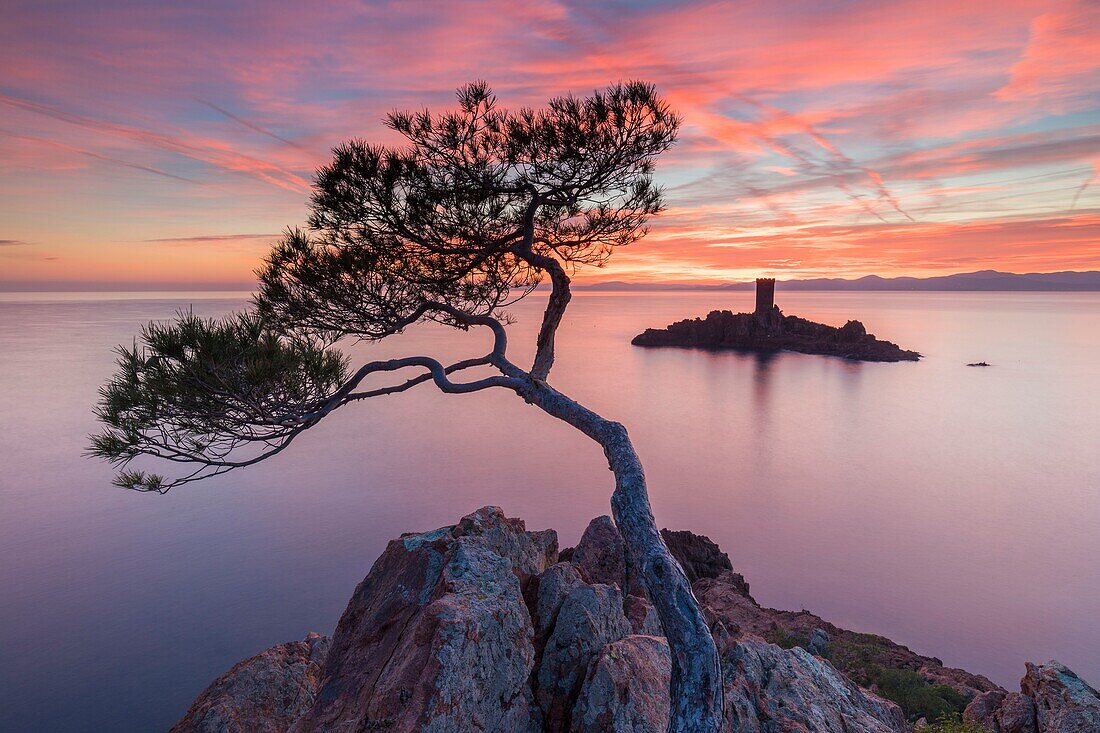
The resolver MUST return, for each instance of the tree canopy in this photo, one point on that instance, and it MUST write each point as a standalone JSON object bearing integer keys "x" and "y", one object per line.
{"x": 478, "y": 207}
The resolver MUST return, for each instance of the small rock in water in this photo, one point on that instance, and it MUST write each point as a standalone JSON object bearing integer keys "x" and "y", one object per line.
{"x": 773, "y": 331}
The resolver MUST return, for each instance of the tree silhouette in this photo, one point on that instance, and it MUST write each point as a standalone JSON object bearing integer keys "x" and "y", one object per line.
{"x": 480, "y": 206}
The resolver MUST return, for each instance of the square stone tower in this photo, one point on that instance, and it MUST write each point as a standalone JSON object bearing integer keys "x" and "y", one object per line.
{"x": 765, "y": 294}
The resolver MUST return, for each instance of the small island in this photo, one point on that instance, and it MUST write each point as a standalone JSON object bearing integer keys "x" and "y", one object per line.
{"x": 767, "y": 329}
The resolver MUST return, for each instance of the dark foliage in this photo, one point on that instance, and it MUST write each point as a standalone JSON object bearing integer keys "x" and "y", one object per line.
{"x": 194, "y": 390}
{"x": 466, "y": 213}
{"x": 954, "y": 724}
{"x": 468, "y": 216}
{"x": 917, "y": 697}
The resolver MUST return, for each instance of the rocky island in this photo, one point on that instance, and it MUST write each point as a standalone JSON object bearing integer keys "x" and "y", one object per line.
{"x": 768, "y": 329}
{"x": 487, "y": 626}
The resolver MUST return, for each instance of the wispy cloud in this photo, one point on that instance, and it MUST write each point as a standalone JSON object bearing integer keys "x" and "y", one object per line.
{"x": 210, "y": 238}
{"x": 97, "y": 156}
{"x": 250, "y": 125}
{"x": 210, "y": 151}
{"x": 829, "y": 138}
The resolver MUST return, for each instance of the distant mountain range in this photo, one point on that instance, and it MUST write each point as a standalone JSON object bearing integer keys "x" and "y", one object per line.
{"x": 987, "y": 280}
{"x": 983, "y": 280}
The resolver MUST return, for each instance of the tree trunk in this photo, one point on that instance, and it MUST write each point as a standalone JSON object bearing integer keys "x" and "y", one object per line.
{"x": 696, "y": 675}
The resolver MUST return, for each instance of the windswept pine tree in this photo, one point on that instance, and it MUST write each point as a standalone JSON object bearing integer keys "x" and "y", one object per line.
{"x": 480, "y": 206}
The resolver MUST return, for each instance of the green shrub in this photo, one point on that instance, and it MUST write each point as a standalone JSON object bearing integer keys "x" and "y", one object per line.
{"x": 781, "y": 638}
{"x": 953, "y": 724}
{"x": 917, "y": 697}
{"x": 858, "y": 657}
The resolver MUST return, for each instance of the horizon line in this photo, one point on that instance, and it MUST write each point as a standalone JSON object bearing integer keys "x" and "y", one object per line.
{"x": 106, "y": 286}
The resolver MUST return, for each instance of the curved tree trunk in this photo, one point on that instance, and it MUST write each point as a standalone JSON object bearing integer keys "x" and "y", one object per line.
{"x": 696, "y": 675}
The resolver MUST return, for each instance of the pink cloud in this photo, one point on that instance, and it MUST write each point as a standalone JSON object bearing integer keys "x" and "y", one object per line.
{"x": 799, "y": 117}
{"x": 1062, "y": 57}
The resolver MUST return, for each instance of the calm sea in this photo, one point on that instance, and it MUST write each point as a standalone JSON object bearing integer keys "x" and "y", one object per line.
{"x": 953, "y": 509}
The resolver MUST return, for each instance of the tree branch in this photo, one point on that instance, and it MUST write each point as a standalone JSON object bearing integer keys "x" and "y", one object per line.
{"x": 560, "y": 296}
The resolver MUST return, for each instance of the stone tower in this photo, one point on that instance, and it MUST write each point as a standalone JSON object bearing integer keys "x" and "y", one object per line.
{"x": 765, "y": 294}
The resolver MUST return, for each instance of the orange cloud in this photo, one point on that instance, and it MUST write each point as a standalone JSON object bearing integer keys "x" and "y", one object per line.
{"x": 819, "y": 137}
{"x": 1061, "y": 57}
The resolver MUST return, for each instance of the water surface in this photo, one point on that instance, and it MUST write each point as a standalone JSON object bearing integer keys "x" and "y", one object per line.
{"x": 952, "y": 509}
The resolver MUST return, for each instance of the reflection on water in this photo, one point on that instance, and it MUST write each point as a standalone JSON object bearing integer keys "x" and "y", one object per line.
{"x": 952, "y": 509}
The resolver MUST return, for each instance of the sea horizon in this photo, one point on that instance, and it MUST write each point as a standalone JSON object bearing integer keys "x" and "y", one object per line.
{"x": 863, "y": 492}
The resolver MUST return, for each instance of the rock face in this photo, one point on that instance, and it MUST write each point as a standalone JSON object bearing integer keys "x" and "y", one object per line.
{"x": 819, "y": 643}
{"x": 262, "y": 694}
{"x": 697, "y": 554}
{"x": 600, "y": 556}
{"x": 1002, "y": 712}
{"x": 626, "y": 688}
{"x": 772, "y": 689}
{"x": 477, "y": 626}
{"x": 437, "y": 637}
{"x": 550, "y": 591}
{"x": 1052, "y": 699}
{"x": 642, "y": 616}
{"x": 1064, "y": 703}
{"x": 773, "y": 331}
{"x": 590, "y": 618}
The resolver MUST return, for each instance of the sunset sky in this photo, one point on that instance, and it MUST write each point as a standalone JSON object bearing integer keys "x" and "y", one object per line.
{"x": 165, "y": 145}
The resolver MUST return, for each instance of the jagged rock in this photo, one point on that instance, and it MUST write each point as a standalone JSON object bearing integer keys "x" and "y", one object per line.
{"x": 600, "y": 556}
{"x": 263, "y": 694}
{"x": 530, "y": 553}
{"x": 819, "y": 643}
{"x": 1064, "y": 703}
{"x": 1002, "y": 712}
{"x": 553, "y": 586}
{"x": 728, "y": 599}
{"x": 437, "y": 636}
{"x": 772, "y": 689}
{"x": 981, "y": 709}
{"x": 697, "y": 554}
{"x": 626, "y": 689}
{"x": 642, "y": 616}
{"x": 590, "y": 617}
{"x": 1052, "y": 699}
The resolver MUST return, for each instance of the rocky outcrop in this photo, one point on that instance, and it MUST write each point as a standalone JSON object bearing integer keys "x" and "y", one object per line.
{"x": 772, "y": 689}
{"x": 590, "y": 618}
{"x": 437, "y": 637}
{"x": 549, "y": 592}
{"x": 626, "y": 688}
{"x": 697, "y": 554}
{"x": 478, "y": 627}
{"x": 600, "y": 556}
{"x": 1052, "y": 699}
{"x": 1064, "y": 703}
{"x": 851, "y": 652}
{"x": 1002, "y": 712}
{"x": 262, "y": 694}
{"x": 773, "y": 331}
{"x": 819, "y": 643}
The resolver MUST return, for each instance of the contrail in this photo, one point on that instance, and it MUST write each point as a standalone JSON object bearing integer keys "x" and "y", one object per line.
{"x": 99, "y": 156}
{"x": 1081, "y": 189}
{"x": 250, "y": 125}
